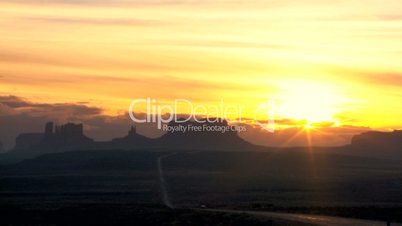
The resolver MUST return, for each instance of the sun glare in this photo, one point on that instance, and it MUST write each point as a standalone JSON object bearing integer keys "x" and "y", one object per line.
{"x": 312, "y": 102}
{"x": 308, "y": 126}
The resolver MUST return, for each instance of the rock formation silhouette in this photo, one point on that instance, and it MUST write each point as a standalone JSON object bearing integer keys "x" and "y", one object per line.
{"x": 54, "y": 139}
{"x": 205, "y": 139}
{"x": 131, "y": 141}
{"x": 27, "y": 141}
{"x": 70, "y": 136}
{"x": 378, "y": 144}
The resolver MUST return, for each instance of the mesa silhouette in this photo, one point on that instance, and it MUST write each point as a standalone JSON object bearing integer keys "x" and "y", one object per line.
{"x": 70, "y": 136}
{"x": 378, "y": 144}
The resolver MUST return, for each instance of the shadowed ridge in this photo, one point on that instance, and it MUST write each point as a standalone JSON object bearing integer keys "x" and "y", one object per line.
{"x": 210, "y": 137}
{"x": 1, "y": 147}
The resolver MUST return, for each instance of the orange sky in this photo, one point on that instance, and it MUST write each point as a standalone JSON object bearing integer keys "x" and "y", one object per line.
{"x": 337, "y": 61}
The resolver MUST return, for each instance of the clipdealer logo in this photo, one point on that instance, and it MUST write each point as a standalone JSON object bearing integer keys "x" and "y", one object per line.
{"x": 209, "y": 118}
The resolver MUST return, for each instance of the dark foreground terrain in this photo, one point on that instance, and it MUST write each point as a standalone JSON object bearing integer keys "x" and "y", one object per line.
{"x": 114, "y": 214}
{"x": 114, "y": 187}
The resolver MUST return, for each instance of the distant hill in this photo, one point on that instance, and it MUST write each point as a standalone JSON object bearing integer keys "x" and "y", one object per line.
{"x": 392, "y": 140}
{"x": 378, "y": 144}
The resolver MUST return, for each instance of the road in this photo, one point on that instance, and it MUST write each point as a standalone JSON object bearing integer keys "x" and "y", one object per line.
{"x": 318, "y": 220}
{"x": 162, "y": 183}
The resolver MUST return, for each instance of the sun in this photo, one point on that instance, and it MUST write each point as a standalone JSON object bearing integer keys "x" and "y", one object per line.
{"x": 309, "y": 101}
{"x": 308, "y": 126}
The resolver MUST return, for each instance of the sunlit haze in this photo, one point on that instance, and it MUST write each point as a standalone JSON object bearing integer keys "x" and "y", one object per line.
{"x": 326, "y": 63}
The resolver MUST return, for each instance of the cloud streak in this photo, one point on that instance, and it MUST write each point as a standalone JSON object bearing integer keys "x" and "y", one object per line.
{"x": 93, "y": 21}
